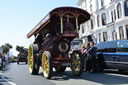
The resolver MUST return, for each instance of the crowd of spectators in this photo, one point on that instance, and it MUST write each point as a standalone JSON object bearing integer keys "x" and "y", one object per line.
{"x": 89, "y": 52}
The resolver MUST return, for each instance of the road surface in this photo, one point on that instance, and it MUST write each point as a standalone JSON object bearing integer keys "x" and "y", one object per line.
{"x": 15, "y": 74}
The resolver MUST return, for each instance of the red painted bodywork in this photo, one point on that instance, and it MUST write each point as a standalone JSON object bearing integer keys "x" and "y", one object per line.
{"x": 47, "y": 24}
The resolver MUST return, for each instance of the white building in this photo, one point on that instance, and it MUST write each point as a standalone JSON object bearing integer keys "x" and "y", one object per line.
{"x": 109, "y": 20}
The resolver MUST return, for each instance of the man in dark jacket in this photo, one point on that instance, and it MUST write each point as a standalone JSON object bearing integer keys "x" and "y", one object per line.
{"x": 92, "y": 57}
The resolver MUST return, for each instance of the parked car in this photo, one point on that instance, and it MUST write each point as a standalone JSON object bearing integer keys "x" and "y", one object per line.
{"x": 113, "y": 54}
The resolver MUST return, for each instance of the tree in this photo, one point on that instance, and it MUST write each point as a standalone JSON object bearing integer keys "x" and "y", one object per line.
{"x": 19, "y": 48}
{"x": 6, "y": 48}
{"x": 8, "y": 45}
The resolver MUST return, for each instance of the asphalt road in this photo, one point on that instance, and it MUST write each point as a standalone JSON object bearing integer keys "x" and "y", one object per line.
{"x": 15, "y": 74}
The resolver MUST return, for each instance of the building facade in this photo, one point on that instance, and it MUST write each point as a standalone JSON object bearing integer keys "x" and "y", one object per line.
{"x": 109, "y": 20}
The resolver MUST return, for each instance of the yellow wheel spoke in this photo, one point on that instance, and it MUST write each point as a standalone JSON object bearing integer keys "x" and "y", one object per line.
{"x": 30, "y": 59}
{"x": 45, "y": 65}
{"x": 75, "y": 58}
{"x": 73, "y": 68}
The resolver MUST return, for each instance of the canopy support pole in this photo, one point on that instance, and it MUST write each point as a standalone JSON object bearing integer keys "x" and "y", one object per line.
{"x": 77, "y": 27}
{"x": 61, "y": 19}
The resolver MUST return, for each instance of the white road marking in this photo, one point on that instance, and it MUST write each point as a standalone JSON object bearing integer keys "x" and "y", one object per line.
{"x": 11, "y": 83}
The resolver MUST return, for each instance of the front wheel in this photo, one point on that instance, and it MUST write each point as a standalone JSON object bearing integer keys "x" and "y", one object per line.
{"x": 32, "y": 59}
{"x": 77, "y": 63}
{"x": 47, "y": 64}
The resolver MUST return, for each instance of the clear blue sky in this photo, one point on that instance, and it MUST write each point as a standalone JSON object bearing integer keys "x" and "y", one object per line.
{"x": 18, "y": 17}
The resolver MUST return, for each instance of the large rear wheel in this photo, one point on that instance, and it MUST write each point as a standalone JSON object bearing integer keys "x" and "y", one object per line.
{"x": 33, "y": 59}
{"x": 77, "y": 63}
{"x": 47, "y": 64}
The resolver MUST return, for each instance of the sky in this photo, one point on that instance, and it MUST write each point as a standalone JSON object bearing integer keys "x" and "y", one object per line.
{"x": 18, "y": 17}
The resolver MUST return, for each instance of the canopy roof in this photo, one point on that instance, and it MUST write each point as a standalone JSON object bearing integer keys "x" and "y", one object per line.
{"x": 81, "y": 14}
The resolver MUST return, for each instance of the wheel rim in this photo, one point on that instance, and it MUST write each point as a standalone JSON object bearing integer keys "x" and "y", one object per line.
{"x": 30, "y": 59}
{"x": 45, "y": 65}
{"x": 75, "y": 65}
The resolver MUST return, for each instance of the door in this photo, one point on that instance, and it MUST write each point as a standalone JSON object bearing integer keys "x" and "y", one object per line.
{"x": 109, "y": 54}
{"x": 122, "y": 55}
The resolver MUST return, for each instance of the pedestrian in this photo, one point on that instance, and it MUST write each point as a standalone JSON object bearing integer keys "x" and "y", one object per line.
{"x": 87, "y": 62}
{"x": 87, "y": 48}
{"x": 83, "y": 49}
{"x": 92, "y": 57}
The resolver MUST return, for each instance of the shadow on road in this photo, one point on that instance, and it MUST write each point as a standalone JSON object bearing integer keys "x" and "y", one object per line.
{"x": 22, "y": 64}
{"x": 1, "y": 84}
{"x": 108, "y": 77}
{"x": 60, "y": 76}
{"x": 3, "y": 79}
{"x": 6, "y": 69}
{"x": 9, "y": 66}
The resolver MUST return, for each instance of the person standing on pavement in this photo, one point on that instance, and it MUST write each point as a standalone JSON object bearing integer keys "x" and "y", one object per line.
{"x": 87, "y": 48}
{"x": 92, "y": 57}
{"x": 83, "y": 49}
{"x": 87, "y": 67}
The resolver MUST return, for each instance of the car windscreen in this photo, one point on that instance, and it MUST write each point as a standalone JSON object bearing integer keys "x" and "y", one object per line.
{"x": 107, "y": 46}
{"x": 122, "y": 46}
{"x": 104, "y": 45}
{"x": 75, "y": 43}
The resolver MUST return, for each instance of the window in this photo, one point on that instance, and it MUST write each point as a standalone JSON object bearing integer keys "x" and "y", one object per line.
{"x": 122, "y": 46}
{"x": 107, "y": 46}
{"x": 115, "y": 14}
{"x": 69, "y": 22}
{"x": 127, "y": 31}
{"x": 119, "y": 11}
{"x": 91, "y": 8}
{"x": 114, "y": 34}
{"x": 91, "y": 23}
{"x": 121, "y": 32}
{"x": 103, "y": 19}
{"x": 126, "y": 26}
{"x": 98, "y": 21}
{"x": 112, "y": 16}
{"x": 126, "y": 7}
{"x": 97, "y": 4}
{"x": 102, "y": 3}
{"x": 105, "y": 37}
{"x": 99, "y": 37}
